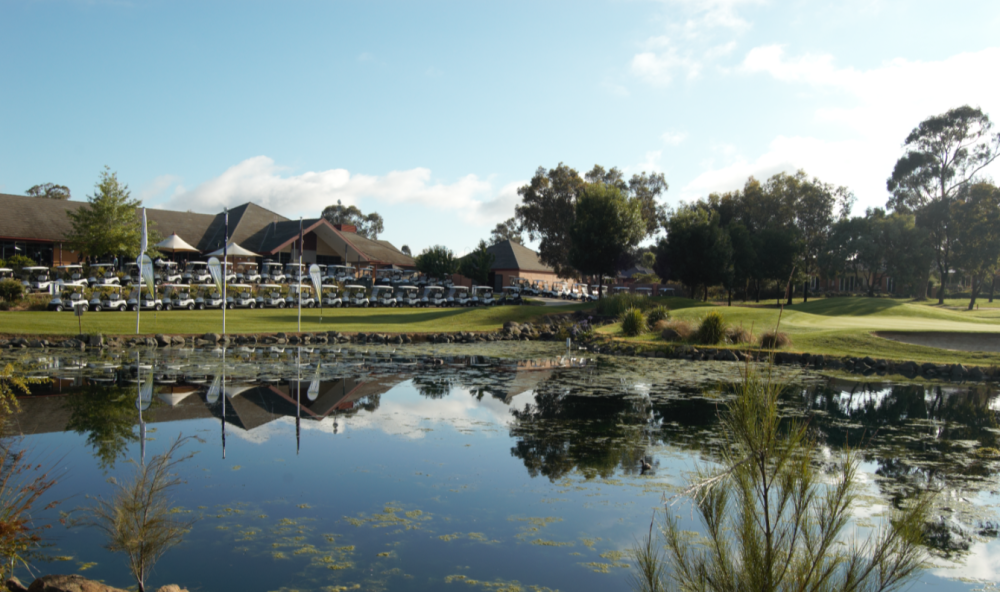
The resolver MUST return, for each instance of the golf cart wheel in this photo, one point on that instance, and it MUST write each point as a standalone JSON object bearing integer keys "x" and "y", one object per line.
{"x": 190, "y": 306}
{"x": 310, "y": 305}
{"x": 229, "y": 306}
{"x": 281, "y": 305}
{"x": 97, "y": 308}
{"x": 122, "y": 308}
{"x": 201, "y": 306}
{"x": 86, "y": 307}
{"x": 365, "y": 305}
{"x": 131, "y": 307}
{"x": 337, "y": 304}
{"x": 168, "y": 307}
{"x": 253, "y": 305}
{"x": 59, "y": 308}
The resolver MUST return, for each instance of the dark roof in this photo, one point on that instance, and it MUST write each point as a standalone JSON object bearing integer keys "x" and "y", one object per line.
{"x": 380, "y": 250}
{"x": 35, "y": 218}
{"x": 635, "y": 269}
{"x": 511, "y": 255}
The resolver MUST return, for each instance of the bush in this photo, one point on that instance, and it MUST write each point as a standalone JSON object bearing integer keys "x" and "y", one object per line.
{"x": 675, "y": 330}
{"x": 660, "y": 313}
{"x": 617, "y": 304}
{"x": 17, "y": 262}
{"x": 633, "y": 322}
{"x": 712, "y": 329}
{"x": 11, "y": 290}
{"x": 774, "y": 340}
{"x": 739, "y": 335}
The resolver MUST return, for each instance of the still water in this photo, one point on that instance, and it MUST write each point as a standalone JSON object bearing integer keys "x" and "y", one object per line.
{"x": 505, "y": 467}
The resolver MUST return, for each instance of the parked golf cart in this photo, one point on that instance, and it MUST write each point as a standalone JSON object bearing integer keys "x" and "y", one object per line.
{"x": 168, "y": 272}
{"x": 177, "y": 296}
{"x": 209, "y": 296}
{"x": 331, "y": 299}
{"x": 619, "y": 290}
{"x": 458, "y": 296}
{"x": 272, "y": 272}
{"x": 140, "y": 297}
{"x": 596, "y": 292}
{"x": 539, "y": 287}
{"x": 433, "y": 296}
{"x": 102, "y": 273}
{"x": 67, "y": 297}
{"x": 37, "y": 279}
{"x": 294, "y": 272}
{"x": 108, "y": 297}
{"x": 407, "y": 296}
{"x": 196, "y": 272}
{"x": 6, "y": 273}
{"x": 308, "y": 300}
{"x": 647, "y": 292}
{"x": 482, "y": 296}
{"x": 247, "y": 273}
{"x": 240, "y": 296}
{"x": 512, "y": 295}
{"x": 354, "y": 295}
{"x": 382, "y": 296}
{"x": 556, "y": 290}
{"x": 72, "y": 275}
{"x": 130, "y": 275}
{"x": 269, "y": 296}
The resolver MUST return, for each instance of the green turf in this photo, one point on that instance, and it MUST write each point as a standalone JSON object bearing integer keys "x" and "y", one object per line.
{"x": 367, "y": 320}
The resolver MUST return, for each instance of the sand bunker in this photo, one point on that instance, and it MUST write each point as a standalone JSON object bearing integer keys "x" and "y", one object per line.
{"x": 970, "y": 342}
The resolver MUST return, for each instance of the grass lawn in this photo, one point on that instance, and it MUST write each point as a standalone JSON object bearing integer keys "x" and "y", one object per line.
{"x": 350, "y": 320}
{"x": 844, "y": 326}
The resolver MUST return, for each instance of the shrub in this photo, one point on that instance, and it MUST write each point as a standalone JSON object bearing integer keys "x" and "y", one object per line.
{"x": 617, "y": 304}
{"x": 712, "y": 329}
{"x": 660, "y": 313}
{"x": 11, "y": 290}
{"x": 633, "y": 322}
{"x": 739, "y": 335}
{"x": 774, "y": 340}
{"x": 18, "y": 262}
{"x": 675, "y": 330}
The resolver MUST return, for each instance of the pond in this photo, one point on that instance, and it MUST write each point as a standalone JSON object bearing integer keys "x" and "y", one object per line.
{"x": 504, "y": 467}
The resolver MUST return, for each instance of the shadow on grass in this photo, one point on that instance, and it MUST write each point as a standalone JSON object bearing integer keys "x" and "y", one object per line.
{"x": 846, "y": 307}
{"x": 377, "y": 319}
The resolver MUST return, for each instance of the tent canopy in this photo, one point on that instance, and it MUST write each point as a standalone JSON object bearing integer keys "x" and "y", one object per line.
{"x": 174, "y": 243}
{"x": 234, "y": 250}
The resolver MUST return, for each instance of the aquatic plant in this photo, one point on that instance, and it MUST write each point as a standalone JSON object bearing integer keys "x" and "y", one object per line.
{"x": 138, "y": 519}
{"x": 657, "y": 314}
{"x": 712, "y": 329}
{"x": 633, "y": 322}
{"x": 773, "y": 520}
{"x": 775, "y": 340}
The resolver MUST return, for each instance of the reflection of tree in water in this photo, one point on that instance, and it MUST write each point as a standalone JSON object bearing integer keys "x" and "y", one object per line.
{"x": 436, "y": 383}
{"x": 108, "y": 415}
{"x": 432, "y": 385}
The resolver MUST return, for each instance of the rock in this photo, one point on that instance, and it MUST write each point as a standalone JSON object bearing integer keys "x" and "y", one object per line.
{"x": 928, "y": 369}
{"x": 868, "y": 361}
{"x": 213, "y": 337}
{"x": 171, "y": 588}
{"x": 69, "y": 583}
{"x": 15, "y": 585}
{"x": 162, "y": 340}
{"x": 909, "y": 369}
{"x": 511, "y": 325}
{"x": 818, "y": 361}
{"x": 293, "y": 339}
{"x": 958, "y": 372}
{"x": 96, "y": 340}
{"x": 976, "y": 374}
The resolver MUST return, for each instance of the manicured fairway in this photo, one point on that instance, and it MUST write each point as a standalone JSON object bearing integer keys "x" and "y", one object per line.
{"x": 368, "y": 320}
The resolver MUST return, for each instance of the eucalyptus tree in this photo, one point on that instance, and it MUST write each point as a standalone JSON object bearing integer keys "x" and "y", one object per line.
{"x": 977, "y": 250}
{"x": 606, "y": 226}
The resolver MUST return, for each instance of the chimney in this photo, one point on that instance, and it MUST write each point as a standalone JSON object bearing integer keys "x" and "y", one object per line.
{"x": 346, "y": 227}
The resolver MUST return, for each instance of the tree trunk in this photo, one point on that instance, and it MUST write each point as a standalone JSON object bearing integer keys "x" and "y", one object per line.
{"x": 923, "y": 286}
{"x": 757, "y": 290}
{"x": 600, "y": 286}
{"x": 730, "y": 297}
{"x": 788, "y": 289}
{"x": 993, "y": 284}
{"x": 705, "y": 297}
{"x": 976, "y": 286}
{"x": 805, "y": 292}
{"x": 944, "y": 282}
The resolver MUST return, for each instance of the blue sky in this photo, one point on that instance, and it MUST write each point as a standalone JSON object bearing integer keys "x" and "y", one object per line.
{"x": 433, "y": 113}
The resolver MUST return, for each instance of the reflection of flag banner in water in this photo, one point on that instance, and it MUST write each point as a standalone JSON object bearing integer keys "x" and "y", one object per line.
{"x": 313, "y": 392}
{"x": 215, "y": 269}
{"x": 145, "y": 395}
{"x": 146, "y": 269}
{"x": 213, "y": 391}
{"x": 317, "y": 279}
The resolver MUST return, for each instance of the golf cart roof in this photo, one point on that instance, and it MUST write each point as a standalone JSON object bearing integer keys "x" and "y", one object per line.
{"x": 435, "y": 288}
{"x": 197, "y": 263}
{"x": 248, "y": 264}
{"x": 290, "y": 264}
{"x": 482, "y": 287}
{"x": 268, "y": 285}
{"x": 37, "y": 268}
{"x": 102, "y": 264}
{"x": 354, "y": 287}
{"x": 70, "y": 267}
{"x": 459, "y": 288}
{"x": 340, "y": 266}
{"x": 241, "y": 286}
{"x": 407, "y": 288}
{"x": 6, "y": 269}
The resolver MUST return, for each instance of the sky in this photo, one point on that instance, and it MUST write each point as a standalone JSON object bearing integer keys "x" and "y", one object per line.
{"x": 434, "y": 113}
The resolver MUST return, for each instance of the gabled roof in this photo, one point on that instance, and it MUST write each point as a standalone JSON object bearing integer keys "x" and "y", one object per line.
{"x": 35, "y": 217}
{"x": 511, "y": 255}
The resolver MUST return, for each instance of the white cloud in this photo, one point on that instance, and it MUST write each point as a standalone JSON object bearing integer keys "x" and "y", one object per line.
{"x": 884, "y": 104}
{"x": 673, "y": 138}
{"x": 261, "y": 181}
{"x": 157, "y": 186}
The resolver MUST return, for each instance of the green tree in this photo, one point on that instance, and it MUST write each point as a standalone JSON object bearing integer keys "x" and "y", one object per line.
{"x": 108, "y": 224}
{"x": 773, "y": 519}
{"x": 49, "y": 191}
{"x": 477, "y": 264}
{"x": 977, "y": 250}
{"x": 506, "y": 230}
{"x": 644, "y": 188}
{"x": 437, "y": 262}
{"x": 648, "y": 259}
{"x": 941, "y": 155}
{"x": 776, "y": 251}
{"x": 107, "y": 415}
{"x": 697, "y": 248}
{"x": 405, "y": 249}
{"x": 742, "y": 259}
{"x": 546, "y": 213}
{"x": 607, "y": 224}
{"x": 368, "y": 225}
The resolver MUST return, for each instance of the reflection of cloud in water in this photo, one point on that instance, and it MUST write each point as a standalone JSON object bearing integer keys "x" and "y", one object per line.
{"x": 981, "y": 563}
{"x": 262, "y": 434}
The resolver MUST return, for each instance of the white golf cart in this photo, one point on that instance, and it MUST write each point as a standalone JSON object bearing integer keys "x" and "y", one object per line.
{"x": 433, "y": 296}
{"x": 578, "y": 293}
{"x": 354, "y": 295}
{"x": 458, "y": 296}
{"x": 70, "y": 296}
{"x": 556, "y": 290}
{"x": 209, "y": 296}
{"x": 196, "y": 272}
{"x": 269, "y": 296}
{"x": 331, "y": 299}
{"x": 6, "y": 273}
{"x": 482, "y": 296}
{"x": 647, "y": 292}
{"x": 512, "y": 295}
{"x": 272, "y": 272}
{"x": 295, "y": 272}
{"x": 131, "y": 274}
{"x": 308, "y": 300}
{"x": 169, "y": 272}
{"x": 382, "y": 296}
{"x": 247, "y": 273}
{"x": 597, "y": 292}
{"x": 407, "y": 296}
{"x": 72, "y": 275}
{"x": 539, "y": 287}
{"x": 108, "y": 297}
{"x": 102, "y": 273}
{"x": 619, "y": 290}
{"x": 240, "y": 296}
{"x": 142, "y": 297}
{"x": 177, "y": 296}
{"x": 37, "y": 279}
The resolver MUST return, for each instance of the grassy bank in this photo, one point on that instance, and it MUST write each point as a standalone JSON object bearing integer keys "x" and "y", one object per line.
{"x": 367, "y": 320}
{"x": 844, "y": 326}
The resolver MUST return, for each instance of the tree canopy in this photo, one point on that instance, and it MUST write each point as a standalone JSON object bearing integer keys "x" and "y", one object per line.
{"x": 506, "y": 230}
{"x": 477, "y": 264}
{"x": 607, "y": 224}
{"x": 108, "y": 224}
{"x": 437, "y": 262}
{"x": 368, "y": 225}
{"x": 49, "y": 191}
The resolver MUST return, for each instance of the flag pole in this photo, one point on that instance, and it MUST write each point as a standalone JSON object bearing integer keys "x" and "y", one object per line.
{"x": 143, "y": 244}
{"x": 225, "y": 259}
{"x": 301, "y": 243}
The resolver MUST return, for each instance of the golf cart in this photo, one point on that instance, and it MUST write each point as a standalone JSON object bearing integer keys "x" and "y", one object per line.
{"x": 539, "y": 288}
{"x": 169, "y": 272}
{"x": 331, "y": 299}
{"x": 555, "y": 290}
{"x": 354, "y": 295}
{"x": 37, "y": 279}
{"x": 196, "y": 272}
{"x": 308, "y": 300}
{"x": 295, "y": 272}
{"x": 433, "y": 296}
{"x": 512, "y": 295}
{"x": 72, "y": 275}
{"x": 109, "y": 297}
{"x": 246, "y": 273}
{"x": 102, "y": 273}
{"x": 269, "y": 296}
{"x": 382, "y": 296}
{"x": 177, "y": 296}
{"x": 597, "y": 292}
{"x": 272, "y": 272}
{"x": 482, "y": 296}
{"x": 619, "y": 290}
{"x": 578, "y": 292}
{"x": 140, "y": 297}
{"x": 458, "y": 296}
{"x": 131, "y": 274}
{"x": 407, "y": 296}
{"x": 71, "y": 295}
{"x": 240, "y": 296}
{"x": 6, "y": 273}
{"x": 209, "y": 296}
{"x": 647, "y": 292}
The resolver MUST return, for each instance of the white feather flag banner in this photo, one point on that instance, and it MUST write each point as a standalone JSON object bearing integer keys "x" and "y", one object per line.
{"x": 317, "y": 279}
{"x": 146, "y": 269}
{"x": 215, "y": 268}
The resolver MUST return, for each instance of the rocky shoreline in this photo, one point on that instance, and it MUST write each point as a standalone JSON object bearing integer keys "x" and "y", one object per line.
{"x": 73, "y": 583}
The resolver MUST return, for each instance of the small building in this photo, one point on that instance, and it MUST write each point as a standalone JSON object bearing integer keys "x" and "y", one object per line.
{"x": 512, "y": 259}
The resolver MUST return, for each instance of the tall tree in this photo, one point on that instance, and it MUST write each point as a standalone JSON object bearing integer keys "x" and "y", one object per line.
{"x": 108, "y": 224}
{"x": 405, "y": 249}
{"x": 547, "y": 211}
{"x": 941, "y": 155}
{"x": 49, "y": 191}
{"x": 368, "y": 225}
{"x": 506, "y": 230}
{"x": 477, "y": 265}
{"x": 697, "y": 248}
{"x": 437, "y": 262}
{"x": 607, "y": 224}
{"x": 977, "y": 250}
